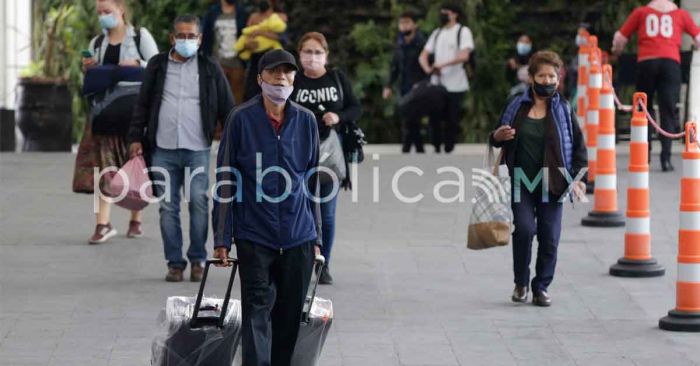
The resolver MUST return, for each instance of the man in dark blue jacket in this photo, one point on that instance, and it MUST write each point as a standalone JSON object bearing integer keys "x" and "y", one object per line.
{"x": 407, "y": 71}
{"x": 268, "y": 154}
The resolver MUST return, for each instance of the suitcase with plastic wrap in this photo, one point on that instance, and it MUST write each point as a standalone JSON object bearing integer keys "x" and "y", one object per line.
{"x": 199, "y": 331}
{"x": 317, "y": 318}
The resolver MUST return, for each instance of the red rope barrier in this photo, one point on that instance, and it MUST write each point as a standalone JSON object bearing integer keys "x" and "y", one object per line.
{"x": 628, "y": 108}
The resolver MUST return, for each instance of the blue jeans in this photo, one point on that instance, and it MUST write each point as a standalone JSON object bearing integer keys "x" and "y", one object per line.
{"x": 175, "y": 162}
{"x": 533, "y": 217}
{"x": 328, "y": 219}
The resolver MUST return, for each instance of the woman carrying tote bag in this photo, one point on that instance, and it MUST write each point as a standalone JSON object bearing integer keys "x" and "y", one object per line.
{"x": 539, "y": 131}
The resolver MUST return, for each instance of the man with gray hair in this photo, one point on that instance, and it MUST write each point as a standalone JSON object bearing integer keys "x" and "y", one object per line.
{"x": 183, "y": 96}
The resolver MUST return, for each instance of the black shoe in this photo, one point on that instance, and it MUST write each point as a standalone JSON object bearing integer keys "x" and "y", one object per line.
{"x": 666, "y": 166}
{"x": 437, "y": 149}
{"x": 540, "y": 298}
{"x": 325, "y": 278}
{"x": 420, "y": 149}
{"x": 519, "y": 294}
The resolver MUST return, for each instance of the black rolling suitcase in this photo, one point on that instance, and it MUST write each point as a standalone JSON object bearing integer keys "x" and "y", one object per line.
{"x": 317, "y": 318}
{"x": 199, "y": 331}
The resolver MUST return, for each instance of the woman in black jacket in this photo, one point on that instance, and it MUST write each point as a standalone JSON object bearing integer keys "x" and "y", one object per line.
{"x": 548, "y": 140}
{"x": 328, "y": 94}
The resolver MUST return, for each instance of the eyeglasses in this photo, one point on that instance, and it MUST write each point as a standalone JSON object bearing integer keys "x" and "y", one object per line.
{"x": 187, "y": 36}
{"x": 313, "y": 52}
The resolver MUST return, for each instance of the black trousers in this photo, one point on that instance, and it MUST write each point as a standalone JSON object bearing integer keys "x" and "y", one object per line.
{"x": 273, "y": 288}
{"x": 533, "y": 217}
{"x": 446, "y": 129}
{"x": 662, "y": 76}
{"x": 411, "y": 133}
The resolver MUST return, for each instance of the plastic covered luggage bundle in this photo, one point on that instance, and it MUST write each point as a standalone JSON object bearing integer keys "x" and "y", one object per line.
{"x": 316, "y": 322}
{"x": 199, "y": 331}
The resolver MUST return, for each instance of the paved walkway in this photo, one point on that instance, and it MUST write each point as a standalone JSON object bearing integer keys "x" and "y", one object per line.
{"x": 407, "y": 291}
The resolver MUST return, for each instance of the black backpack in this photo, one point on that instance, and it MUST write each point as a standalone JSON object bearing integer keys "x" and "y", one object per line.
{"x": 112, "y": 103}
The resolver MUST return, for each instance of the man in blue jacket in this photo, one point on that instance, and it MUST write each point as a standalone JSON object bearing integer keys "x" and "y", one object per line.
{"x": 267, "y": 158}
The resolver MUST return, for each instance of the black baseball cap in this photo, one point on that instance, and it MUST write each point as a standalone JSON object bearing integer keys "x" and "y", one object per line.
{"x": 274, "y": 58}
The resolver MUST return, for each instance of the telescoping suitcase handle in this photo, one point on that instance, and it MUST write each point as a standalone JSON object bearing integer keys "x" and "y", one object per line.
{"x": 197, "y": 321}
{"x": 319, "y": 262}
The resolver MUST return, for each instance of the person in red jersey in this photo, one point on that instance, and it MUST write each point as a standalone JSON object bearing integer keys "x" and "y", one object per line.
{"x": 659, "y": 26}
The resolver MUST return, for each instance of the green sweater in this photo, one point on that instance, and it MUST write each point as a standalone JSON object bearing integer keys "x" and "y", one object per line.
{"x": 529, "y": 153}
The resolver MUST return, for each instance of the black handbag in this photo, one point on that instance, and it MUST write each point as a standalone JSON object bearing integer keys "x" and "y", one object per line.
{"x": 352, "y": 135}
{"x": 424, "y": 99}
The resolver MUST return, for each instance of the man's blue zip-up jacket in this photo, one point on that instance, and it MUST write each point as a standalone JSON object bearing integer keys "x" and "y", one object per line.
{"x": 254, "y": 200}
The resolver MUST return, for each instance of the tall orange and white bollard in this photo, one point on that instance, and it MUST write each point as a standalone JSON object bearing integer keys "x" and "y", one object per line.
{"x": 595, "y": 83}
{"x": 605, "y": 212}
{"x": 582, "y": 81}
{"x": 686, "y": 316}
{"x": 637, "y": 260}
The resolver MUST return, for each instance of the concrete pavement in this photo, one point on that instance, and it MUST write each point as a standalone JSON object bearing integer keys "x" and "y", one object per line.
{"x": 407, "y": 291}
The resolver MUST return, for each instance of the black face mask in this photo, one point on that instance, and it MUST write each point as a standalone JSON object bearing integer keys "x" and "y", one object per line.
{"x": 230, "y": 2}
{"x": 544, "y": 90}
{"x": 444, "y": 18}
{"x": 264, "y": 6}
{"x": 406, "y": 33}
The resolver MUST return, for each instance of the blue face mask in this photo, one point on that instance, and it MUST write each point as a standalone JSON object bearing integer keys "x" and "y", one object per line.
{"x": 523, "y": 48}
{"x": 108, "y": 21}
{"x": 186, "y": 47}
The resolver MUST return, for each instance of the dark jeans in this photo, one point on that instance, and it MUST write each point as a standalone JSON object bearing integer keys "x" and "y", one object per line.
{"x": 175, "y": 162}
{"x": 448, "y": 132}
{"x": 328, "y": 219}
{"x": 662, "y": 76}
{"x": 533, "y": 217}
{"x": 273, "y": 288}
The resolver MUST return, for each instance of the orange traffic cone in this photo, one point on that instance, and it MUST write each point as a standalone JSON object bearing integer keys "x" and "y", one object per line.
{"x": 637, "y": 261}
{"x": 686, "y": 316}
{"x": 605, "y": 212}
{"x": 595, "y": 83}
{"x": 582, "y": 83}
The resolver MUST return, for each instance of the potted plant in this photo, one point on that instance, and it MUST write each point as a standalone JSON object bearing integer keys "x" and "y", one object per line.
{"x": 44, "y": 102}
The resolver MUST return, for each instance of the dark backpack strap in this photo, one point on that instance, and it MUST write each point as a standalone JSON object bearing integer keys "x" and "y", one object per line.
{"x": 437, "y": 34}
{"x": 98, "y": 45}
{"x": 459, "y": 37}
{"x": 137, "y": 40}
{"x": 336, "y": 76}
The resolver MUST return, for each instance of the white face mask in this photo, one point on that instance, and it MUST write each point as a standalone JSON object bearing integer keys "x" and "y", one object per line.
{"x": 313, "y": 62}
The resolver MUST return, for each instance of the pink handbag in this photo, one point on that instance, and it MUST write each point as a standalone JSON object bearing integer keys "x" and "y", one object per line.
{"x": 132, "y": 177}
